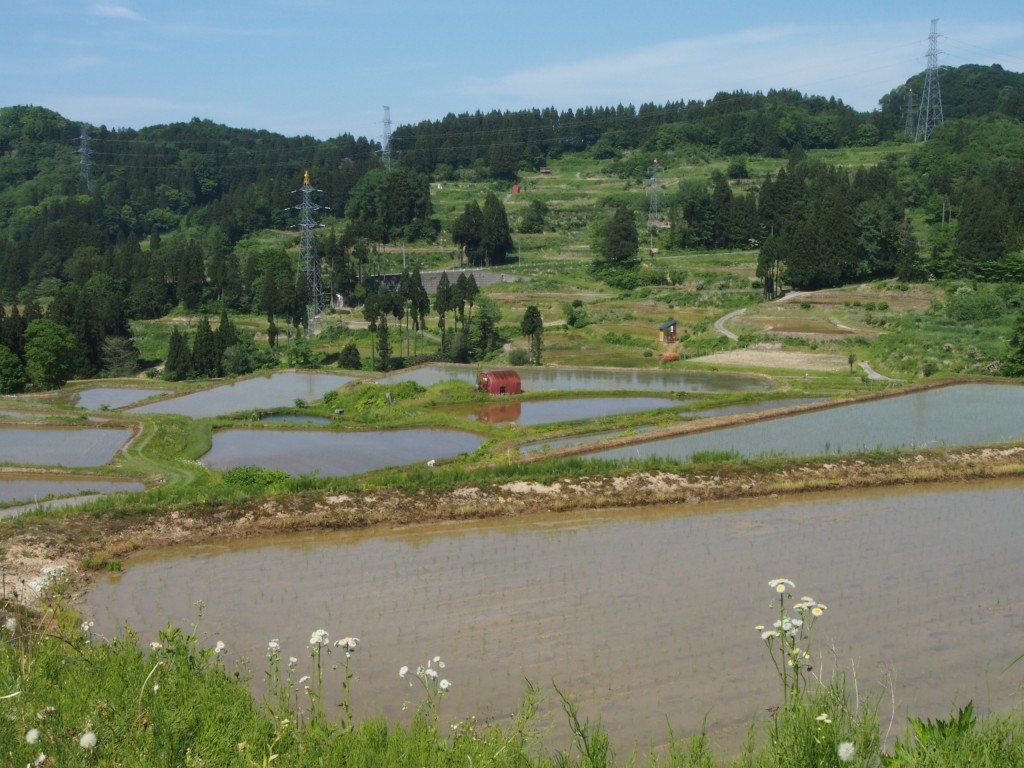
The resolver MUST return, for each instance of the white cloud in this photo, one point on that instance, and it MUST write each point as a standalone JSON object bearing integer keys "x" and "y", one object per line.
{"x": 111, "y": 11}
{"x": 857, "y": 64}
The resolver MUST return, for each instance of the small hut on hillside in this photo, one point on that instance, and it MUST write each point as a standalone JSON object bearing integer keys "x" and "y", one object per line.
{"x": 499, "y": 383}
{"x": 667, "y": 332}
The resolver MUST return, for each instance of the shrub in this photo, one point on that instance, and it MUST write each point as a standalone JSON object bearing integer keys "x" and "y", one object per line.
{"x": 518, "y": 357}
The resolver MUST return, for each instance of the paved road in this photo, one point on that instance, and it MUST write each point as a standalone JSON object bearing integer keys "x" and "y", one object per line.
{"x": 873, "y": 374}
{"x": 720, "y": 324}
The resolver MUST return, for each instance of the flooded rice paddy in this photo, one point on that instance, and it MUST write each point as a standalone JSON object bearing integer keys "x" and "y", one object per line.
{"x": 26, "y": 488}
{"x": 273, "y": 391}
{"x": 966, "y": 414}
{"x": 597, "y": 378}
{"x": 334, "y": 453}
{"x": 646, "y": 615}
{"x": 64, "y": 447}
{"x": 97, "y": 398}
{"x": 534, "y": 412}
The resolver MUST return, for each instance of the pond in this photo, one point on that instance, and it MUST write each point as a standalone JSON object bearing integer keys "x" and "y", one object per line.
{"x": 32, "y": 488}
{"x": 57, "y": 446}
{"x": 641, "y": 614}
{"x": 95, "y": 398}
{"x": 965, "y": 414}
{"x": 272, "y": 391}
{"x": 533, "y": 412}
{"x": 597, "y": 378}
{"x": 334, "y": 453}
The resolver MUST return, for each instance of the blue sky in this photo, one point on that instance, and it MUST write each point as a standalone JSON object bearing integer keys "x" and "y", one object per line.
{"x": 327, "y": 67}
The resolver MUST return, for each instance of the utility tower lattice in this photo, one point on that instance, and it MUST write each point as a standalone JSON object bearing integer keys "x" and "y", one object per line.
{"x": 385, "y": 141}
{"x": 309, "y": 263}
{"x": 85, "y": 161}
{"x": 652, "y": 216}
{"x": 908, "y": 127}
{"x": 931, "y": 101}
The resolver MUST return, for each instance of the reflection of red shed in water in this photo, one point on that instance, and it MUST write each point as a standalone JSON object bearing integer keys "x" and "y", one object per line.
{"x": 499, "y": 383}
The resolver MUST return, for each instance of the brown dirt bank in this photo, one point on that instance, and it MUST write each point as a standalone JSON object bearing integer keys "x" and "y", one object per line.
{"x": 33, "y": 546}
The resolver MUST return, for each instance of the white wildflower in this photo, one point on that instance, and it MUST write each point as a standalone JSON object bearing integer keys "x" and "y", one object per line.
{"x": 403, "y": 671}
{"x": 220, "y": 648}
{"x": 88, "y": 740}
{"x": 846, "y": 751}
{"x": 32, "y": 736}
{"x": 156, "y": 646}
{"x": 319, "y": 638}
{"x": 444, "y": 685}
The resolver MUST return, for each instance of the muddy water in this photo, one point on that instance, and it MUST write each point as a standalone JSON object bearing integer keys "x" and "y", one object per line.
{"x": 270, "y": 391}
{"x": 533, "y": 412}
{"x": 95, "y": 398}
{"x": 542, "y": 378}
{"x": 642, "y": 614}
{"x": 966, "y": 414}
{"x": 334, "y": 453}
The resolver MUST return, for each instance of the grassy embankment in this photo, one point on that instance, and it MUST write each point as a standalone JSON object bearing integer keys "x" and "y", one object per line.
{"x": 71, "y": 698}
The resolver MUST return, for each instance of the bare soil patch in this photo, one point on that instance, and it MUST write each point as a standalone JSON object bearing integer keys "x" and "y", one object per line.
{"x": 774, "y": 356}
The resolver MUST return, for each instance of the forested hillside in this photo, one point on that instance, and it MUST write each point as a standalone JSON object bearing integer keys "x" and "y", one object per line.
{"x": 106, "y": 226}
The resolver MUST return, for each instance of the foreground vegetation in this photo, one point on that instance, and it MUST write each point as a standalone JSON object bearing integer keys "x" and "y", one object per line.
{"x": 71, "y": 698}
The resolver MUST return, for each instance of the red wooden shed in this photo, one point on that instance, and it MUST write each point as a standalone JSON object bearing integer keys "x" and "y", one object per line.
{"x": 499, "y": 383}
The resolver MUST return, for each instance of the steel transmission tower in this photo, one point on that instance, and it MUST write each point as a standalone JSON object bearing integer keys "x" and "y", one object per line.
{"x": 908, "y": 127}
{"x": 309, "y": 262}
{"x": 85, "y": 159}
{"x": 931, "y": 101}
{"x": 385, "y": 141}
{"x": 652, "y": 216}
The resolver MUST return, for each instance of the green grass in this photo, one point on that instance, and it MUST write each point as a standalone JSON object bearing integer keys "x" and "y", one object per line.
{"x": 175, "y": 700}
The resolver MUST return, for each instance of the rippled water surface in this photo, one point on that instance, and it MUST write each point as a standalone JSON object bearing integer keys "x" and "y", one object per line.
{"x": 966, "y": 414}
{"x": 598, "y": 378}
{"x": 272, "y": 391}
{"x": 72, "y": 447}
{"x": 334, "y": 453}
{"x": 642, "y": 614}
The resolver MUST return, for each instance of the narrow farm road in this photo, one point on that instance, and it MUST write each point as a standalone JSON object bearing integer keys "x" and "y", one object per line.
{"x": 720, "y": 324}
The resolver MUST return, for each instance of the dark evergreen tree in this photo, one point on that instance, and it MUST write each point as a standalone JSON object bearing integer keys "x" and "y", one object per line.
{"x": 178, "y": 365}
{"x": 495, "y": 234}
{"x": 617, "y": 242}
{"x": 442, "y": 302}
{"x": 205, "y": 352}
{"x": 383, "y": 344}
{"x": 467, "y": 233}
{"x": 12, "y": 372}
{"x": 533, "y": 328}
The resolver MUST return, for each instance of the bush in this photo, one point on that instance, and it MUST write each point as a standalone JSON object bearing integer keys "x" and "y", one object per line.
{"x": 518, "y": 357}
{"x": 971, "y": 306}
{"x": 349, "y": 357}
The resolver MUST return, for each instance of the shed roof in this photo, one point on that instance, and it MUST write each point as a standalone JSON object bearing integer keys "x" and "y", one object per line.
{"x": 666, "y": 326}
